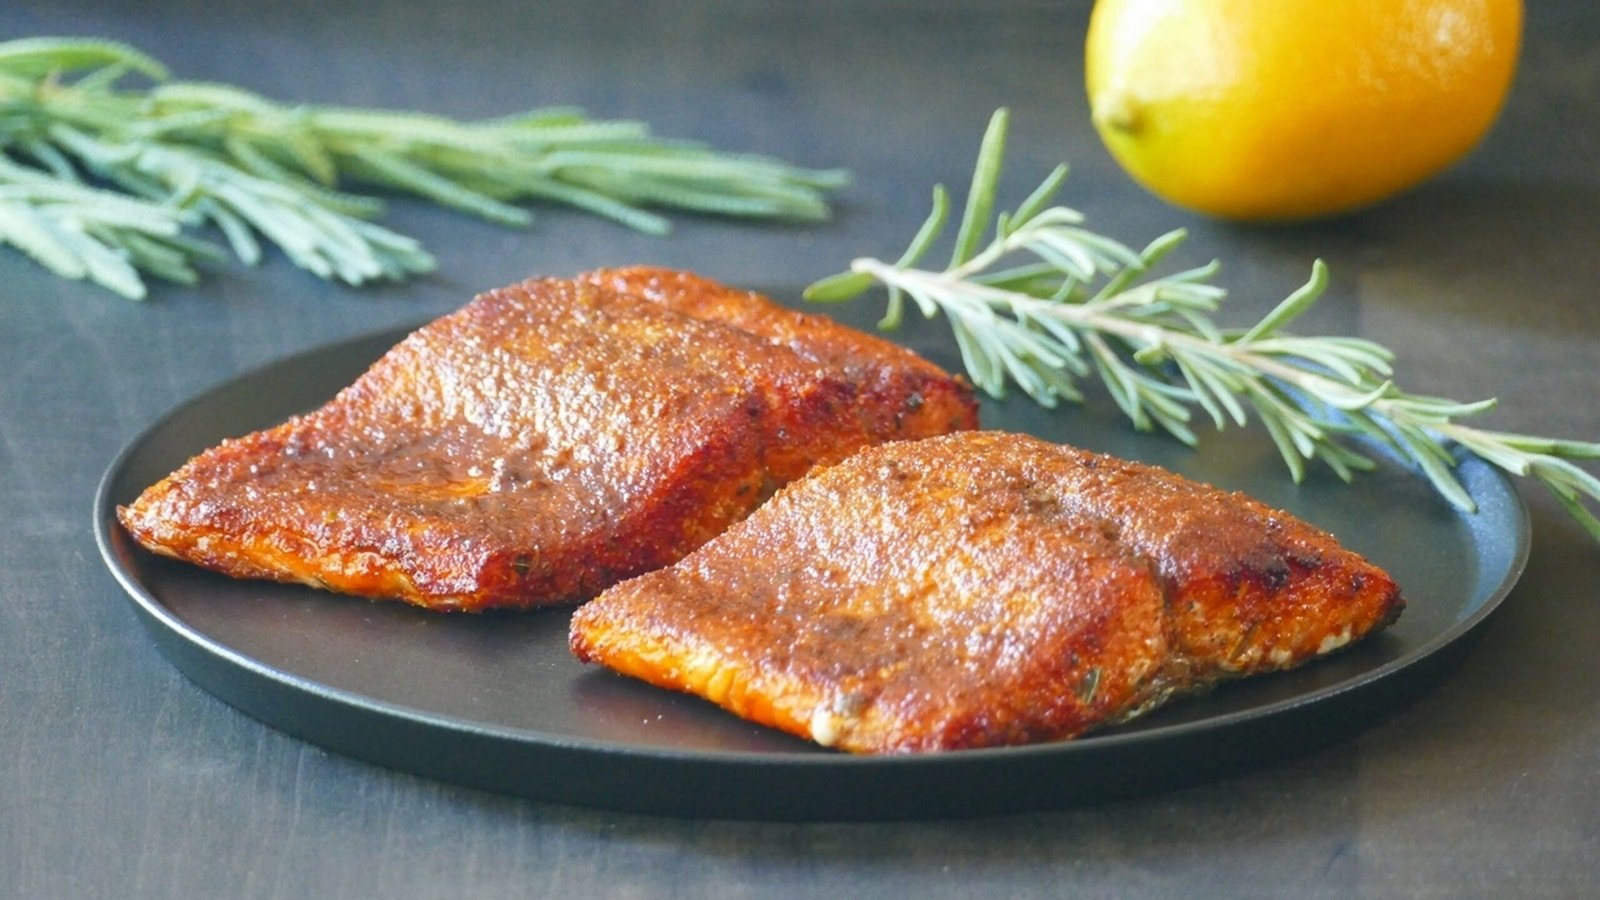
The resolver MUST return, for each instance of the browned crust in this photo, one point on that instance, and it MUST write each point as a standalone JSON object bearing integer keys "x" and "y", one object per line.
{"x": 983, "y": 589}
{"x": 894, "y": 393}
{"x": 548, "y": 439}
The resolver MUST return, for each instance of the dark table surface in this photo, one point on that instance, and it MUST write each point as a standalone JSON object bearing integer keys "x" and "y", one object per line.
{"x": 123, "y": 779}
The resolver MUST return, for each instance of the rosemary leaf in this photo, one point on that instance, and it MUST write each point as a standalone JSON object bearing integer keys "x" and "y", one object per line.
{"x": 1292, "y": 306}
{"x": 42, "y": 56}
{"x": 980, "y": 198}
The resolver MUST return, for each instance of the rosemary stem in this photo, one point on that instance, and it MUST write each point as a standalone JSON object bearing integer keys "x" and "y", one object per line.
{"x": 955, "y": 290}
{"x": 952, "y": 290}
{"x": 254, "y": 167}
{"x": 1086, "y": 304}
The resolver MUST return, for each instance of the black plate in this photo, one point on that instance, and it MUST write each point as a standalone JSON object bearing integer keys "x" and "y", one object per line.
{"x": 496, "y": 701}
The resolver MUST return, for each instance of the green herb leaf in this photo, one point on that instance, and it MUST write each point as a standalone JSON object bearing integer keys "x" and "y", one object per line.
{"x": 980, "y": 197}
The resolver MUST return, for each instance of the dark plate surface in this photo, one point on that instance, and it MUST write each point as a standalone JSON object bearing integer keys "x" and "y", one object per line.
{"x": 495, "y": 701}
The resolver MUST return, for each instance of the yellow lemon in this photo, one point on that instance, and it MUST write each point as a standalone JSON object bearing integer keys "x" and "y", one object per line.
{"x": 1291, "y": 109}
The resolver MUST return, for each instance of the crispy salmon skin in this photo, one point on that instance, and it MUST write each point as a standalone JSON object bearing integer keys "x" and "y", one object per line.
{"x": 545, "y": 441}
{"x": 983, "y": 589}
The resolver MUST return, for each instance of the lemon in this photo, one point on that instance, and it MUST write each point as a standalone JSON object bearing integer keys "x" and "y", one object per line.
{"x": 1293, "y": 109}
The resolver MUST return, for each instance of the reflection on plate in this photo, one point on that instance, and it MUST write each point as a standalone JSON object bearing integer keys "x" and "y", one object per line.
{"x": 497, "y": 702}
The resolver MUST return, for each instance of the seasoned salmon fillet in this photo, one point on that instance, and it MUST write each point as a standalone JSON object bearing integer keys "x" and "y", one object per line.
{"x": 983, "y": 589}
{"x": 545, "y": 441}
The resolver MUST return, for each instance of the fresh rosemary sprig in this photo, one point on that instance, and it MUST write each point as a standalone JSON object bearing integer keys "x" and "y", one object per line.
{"x": 1046, "y": 303}
{"x": 102, "y": 182}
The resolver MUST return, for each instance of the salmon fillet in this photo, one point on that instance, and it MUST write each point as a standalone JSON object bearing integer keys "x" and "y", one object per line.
{"x": 545, "y": 441}
{"x": 983, "y": 589}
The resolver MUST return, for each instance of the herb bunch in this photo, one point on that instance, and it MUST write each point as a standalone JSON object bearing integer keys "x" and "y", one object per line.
{"x": 1045, "y": 304}
{"x": 107, "y": 183}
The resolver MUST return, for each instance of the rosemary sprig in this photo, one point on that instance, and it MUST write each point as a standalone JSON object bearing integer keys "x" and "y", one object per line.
{"x": 103, "y": 182}
{"x": 1046, "y": 304}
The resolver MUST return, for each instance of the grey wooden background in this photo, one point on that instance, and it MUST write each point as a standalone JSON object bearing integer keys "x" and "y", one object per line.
{"x": 118, "y": 778}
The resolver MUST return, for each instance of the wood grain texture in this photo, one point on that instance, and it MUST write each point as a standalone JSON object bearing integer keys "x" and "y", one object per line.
{"x": 121, "y": 779}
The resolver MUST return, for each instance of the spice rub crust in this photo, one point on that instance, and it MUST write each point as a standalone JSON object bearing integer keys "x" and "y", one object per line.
{"x": 983, "y": 589}
{"x": 545, "y": 441}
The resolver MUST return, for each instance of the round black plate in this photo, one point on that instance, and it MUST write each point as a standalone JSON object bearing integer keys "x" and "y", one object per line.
{"x": 496, "y": 701}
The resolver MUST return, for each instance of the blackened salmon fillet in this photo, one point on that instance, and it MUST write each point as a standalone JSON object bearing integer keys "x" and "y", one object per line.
{"x": 545, "y": 441}
{"x": 983, "y": 589}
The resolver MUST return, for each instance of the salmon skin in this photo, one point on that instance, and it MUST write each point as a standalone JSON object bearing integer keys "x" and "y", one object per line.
{"x": 983, "y": 589}
{"x": 545, "y": 441}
